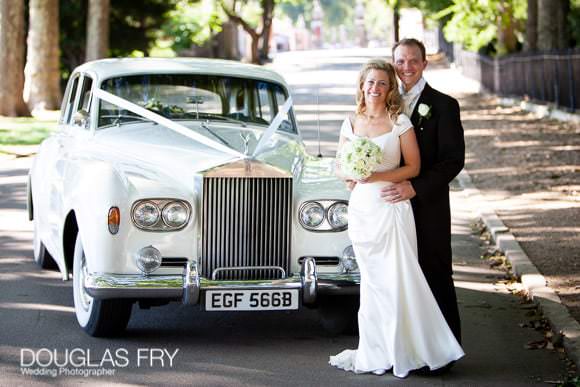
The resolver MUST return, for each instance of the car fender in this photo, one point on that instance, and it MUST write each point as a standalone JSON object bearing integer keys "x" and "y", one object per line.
{"x": 318, "y": 182}
{"x": 92, "y": 187}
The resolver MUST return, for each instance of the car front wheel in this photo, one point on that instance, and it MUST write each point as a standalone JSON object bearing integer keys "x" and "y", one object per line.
{"x": 99, "y": 318}
{"x": 339, "y": 315}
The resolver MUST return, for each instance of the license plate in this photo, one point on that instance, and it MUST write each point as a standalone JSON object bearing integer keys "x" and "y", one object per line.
{"x": 240, "y": 300}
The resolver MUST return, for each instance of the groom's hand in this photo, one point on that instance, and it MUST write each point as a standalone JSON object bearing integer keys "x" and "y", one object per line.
{"x": 398, "y": 192}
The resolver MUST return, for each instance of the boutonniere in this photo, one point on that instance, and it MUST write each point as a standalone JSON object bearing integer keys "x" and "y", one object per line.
{"x": 424, "y": 113}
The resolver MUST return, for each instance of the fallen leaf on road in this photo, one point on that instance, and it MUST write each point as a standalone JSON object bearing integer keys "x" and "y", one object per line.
{"x": 539, "y": 344}
{"x": 558, "y": 340}
{"x": 482, "y": 304}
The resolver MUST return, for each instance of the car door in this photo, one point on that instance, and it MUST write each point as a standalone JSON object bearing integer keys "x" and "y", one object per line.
{"x": 74, "y": 129}
{"x": 45, "y": 178}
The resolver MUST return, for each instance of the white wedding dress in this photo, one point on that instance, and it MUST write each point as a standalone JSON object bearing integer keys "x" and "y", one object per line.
{"x": 400, "y": 324}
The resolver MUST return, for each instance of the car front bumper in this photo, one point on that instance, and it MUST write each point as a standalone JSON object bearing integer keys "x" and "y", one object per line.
{"x": 188, "y": 287}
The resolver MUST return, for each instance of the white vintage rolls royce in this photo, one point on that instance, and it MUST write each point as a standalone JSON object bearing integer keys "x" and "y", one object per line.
{"x": 187, "y": 180}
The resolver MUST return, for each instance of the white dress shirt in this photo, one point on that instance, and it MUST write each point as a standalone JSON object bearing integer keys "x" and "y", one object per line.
{"x": 411, "y": 97}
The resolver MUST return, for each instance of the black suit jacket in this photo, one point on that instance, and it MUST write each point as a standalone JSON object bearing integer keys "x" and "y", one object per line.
{"x": 442, "y": 149}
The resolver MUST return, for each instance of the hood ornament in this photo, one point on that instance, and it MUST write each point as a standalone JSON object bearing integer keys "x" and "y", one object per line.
{"x": 245, "y": 139}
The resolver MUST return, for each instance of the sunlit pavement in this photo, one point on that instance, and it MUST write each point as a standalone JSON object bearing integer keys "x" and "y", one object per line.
{"x": 270, "y": 349}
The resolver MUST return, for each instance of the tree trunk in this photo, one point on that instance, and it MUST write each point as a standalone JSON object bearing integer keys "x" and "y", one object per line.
{"x": 396, "y": 18}
{"x": 563, "y": 8}
{"x": 228, "y": 41}
{"x": 531, "y": 43}
{"x": 97, "y": 29}
{"x": 12, "y": 58}
{"x": 255, "y": 50}
{"x": 548, "y": 24}
{"x": 42, "y": 73}
{"x": 267, "y": 16}
{"x": 254, "y": 35}
{"x": 507, "y": 40}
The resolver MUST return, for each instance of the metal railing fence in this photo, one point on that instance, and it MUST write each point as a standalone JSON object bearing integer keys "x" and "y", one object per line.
{"x": 542, "y": 76}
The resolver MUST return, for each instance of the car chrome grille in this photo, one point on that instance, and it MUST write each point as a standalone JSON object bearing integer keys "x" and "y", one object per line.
{"x": 246, "y": 224}
{"x": 173, "y": 262}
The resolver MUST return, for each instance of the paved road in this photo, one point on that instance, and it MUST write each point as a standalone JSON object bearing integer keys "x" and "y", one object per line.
{"x": 269, "y": 349}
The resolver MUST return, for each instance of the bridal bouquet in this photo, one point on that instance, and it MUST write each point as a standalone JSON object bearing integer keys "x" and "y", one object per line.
{"x": 359, "y": 158}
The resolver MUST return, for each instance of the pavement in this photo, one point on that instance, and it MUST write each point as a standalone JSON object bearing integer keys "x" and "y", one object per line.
{"x": 533, "y": 282}
{"x": 8, "y": 152}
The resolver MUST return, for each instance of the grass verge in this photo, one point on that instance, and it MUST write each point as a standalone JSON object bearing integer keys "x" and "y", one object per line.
{"x": 25, "y": 130}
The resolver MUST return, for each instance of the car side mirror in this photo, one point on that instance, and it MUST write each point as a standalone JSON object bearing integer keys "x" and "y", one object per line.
{"x": 81, "y": 118}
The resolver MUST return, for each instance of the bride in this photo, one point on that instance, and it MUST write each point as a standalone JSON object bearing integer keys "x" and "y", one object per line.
{"x": 400, "y": 325}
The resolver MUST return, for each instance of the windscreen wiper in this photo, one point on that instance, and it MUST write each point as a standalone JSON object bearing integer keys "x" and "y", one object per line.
{"x": 205, "y": 125}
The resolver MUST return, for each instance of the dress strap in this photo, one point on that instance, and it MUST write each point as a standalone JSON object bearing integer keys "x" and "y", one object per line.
{"x": 347, "y": 130}
{"x": 402, "y": 124}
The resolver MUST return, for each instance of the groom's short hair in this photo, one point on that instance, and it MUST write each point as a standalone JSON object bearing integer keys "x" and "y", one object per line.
{"x": 411, "y": 42}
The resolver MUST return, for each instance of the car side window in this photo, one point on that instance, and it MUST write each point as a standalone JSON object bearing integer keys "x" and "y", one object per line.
{"x": 264, "y": 102}
{"x": 85, "y": 102}
{"x": 69, "y": 100}
{"x": 286, "y": 124}
{"x": 81, "y": 115}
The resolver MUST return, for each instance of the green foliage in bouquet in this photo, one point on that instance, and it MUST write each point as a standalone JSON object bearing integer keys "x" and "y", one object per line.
{"x": 359, "y": 158}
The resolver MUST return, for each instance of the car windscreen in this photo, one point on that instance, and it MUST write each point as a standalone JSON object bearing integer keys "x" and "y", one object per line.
{"x": 196, "y": 97}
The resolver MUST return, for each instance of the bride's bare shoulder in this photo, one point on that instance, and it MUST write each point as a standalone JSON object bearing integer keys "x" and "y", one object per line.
{"x": 356, "y": 119}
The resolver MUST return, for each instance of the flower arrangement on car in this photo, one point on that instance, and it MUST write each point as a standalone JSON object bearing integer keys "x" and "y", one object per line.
{"x": 165, "y": 110}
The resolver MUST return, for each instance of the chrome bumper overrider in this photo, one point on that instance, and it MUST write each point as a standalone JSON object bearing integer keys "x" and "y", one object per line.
{"x": 188, "y": 287}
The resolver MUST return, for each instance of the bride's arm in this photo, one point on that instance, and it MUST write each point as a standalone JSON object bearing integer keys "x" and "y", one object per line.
{"x": 410, "y": 151}
{"x": 337, "y": 168}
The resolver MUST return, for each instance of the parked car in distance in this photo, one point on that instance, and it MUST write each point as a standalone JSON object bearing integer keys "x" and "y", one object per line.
{"x": 187, "y": 180}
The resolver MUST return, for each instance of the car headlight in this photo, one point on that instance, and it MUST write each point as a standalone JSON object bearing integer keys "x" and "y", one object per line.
{"x": 326, "y": 215}
{"x": 175, "y": 214}
{"x": 146, "y": 214}
{"x": 148, "y": 259}
{"x": 337, "y": 215}
{"x": 311, "y": 214}
{"x": 161, "y": 214}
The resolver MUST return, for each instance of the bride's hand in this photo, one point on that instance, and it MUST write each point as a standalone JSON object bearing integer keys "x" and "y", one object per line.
{"x": 371, "y": 179}
{"x": 350, "y": 184}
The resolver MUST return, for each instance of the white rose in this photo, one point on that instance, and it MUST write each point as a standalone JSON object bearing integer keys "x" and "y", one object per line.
{"x": 423, "y": 109}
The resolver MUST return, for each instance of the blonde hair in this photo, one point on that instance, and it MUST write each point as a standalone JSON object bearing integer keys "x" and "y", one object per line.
{"x": 393, "y": 102}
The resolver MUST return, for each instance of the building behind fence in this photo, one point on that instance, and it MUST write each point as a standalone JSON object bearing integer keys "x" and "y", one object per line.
{"x": 541, "y": 76}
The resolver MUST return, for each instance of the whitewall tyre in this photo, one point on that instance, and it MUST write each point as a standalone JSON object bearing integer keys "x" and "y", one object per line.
{"x": 99, "y": 318}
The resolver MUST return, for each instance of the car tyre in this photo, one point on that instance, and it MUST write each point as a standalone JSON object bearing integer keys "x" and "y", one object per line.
{"x": 339, "y": 315}
{"x": 98, "y": 318}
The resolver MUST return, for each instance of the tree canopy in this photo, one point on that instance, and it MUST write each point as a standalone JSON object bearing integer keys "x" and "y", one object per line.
{"x": 494, "y": 24}
{"x": 134, "y": 27}
{"x": 494, "y": 27}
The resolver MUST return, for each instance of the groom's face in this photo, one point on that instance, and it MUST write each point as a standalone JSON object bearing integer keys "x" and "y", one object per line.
{"x": 409, "y": 64}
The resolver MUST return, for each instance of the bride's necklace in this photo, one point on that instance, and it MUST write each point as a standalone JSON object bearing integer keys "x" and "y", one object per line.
{"x": 372, "y": 117}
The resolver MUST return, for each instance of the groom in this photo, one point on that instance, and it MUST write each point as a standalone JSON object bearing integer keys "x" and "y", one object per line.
{"x": 435, "y": 117}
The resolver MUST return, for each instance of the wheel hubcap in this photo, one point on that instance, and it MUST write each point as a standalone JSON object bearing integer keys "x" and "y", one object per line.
{"x": 85, "y": 299}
